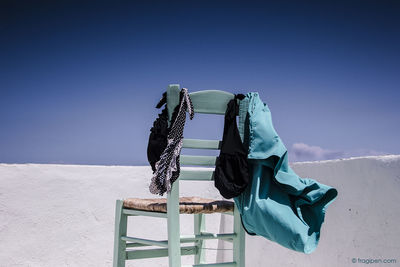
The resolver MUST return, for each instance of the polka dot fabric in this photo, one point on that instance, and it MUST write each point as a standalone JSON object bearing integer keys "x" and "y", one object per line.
{"x": 168, "y": 167}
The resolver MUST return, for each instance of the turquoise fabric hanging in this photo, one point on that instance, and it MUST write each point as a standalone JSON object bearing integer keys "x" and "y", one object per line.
{"x": 277, "y": 204}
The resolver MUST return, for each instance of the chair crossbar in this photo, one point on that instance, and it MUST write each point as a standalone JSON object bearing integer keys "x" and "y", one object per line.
{"x": 161, "y": 243}
{"x": 222, "y": 264}
{"x": 206, "y": 236}
{"x": 135, "y": 245}
{"x": 132, "y": 212}
{"x": 140, "y": 242}
{"x": 157, "y": 253}
{"x": 224, "y": 237}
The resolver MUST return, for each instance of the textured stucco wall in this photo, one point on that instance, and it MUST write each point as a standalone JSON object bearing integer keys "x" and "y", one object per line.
{"x": 63, "y": 215}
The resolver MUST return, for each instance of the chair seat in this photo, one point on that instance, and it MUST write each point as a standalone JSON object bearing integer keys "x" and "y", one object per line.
{"x": 187, "y": 205}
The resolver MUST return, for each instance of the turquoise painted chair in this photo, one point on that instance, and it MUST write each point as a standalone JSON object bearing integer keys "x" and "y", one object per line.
{"x": 130, "y": 248}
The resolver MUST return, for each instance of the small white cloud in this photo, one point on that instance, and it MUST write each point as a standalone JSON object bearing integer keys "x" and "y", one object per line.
{"x": 304, "y": 152}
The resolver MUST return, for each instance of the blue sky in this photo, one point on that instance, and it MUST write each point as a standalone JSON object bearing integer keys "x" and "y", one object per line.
{"x": 79, "y": 80}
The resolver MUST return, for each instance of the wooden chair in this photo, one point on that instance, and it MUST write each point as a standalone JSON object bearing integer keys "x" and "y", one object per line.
{"x": 211, "y": 102}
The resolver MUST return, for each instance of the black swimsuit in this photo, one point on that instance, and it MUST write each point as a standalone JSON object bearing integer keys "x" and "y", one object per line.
{"x": 231, "y": 170}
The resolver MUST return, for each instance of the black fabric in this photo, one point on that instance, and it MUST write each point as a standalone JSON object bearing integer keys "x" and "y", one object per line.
{"x": 158, "y": 134}
{"x": 162, "y": 101}
{"x": 231, "y": 169}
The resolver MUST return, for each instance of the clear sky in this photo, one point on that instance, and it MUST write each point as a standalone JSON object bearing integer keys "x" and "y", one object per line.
{"x": 79, "y": 80}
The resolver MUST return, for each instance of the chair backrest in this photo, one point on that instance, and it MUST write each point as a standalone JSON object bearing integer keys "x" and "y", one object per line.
{"x": 208, "y": 102}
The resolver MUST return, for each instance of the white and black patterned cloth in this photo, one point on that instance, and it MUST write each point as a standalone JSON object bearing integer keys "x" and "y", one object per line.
{"x": 168, "y": 167}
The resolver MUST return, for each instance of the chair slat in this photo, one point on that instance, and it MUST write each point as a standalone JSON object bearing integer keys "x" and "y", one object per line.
{"x": 207, "y": 101}
{"x": 210, "y": 101}
{"x": 198, "y": 160}
{"x": 201, "y": 144}
{"x": 196, "y": 175}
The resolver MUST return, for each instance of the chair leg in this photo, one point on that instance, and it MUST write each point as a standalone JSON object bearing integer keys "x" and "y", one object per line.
{"x": 239, "y": 240}
{"x": 120, "y": 230}
{"x": 199, "y": 226}
{"x": 174, "y": 233}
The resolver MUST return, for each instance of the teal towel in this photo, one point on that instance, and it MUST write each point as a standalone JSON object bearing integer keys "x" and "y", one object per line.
{"x": 277, "y": 204}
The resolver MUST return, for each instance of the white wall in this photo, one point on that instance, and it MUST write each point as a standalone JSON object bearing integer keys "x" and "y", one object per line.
{"x": 63, "y": 215}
